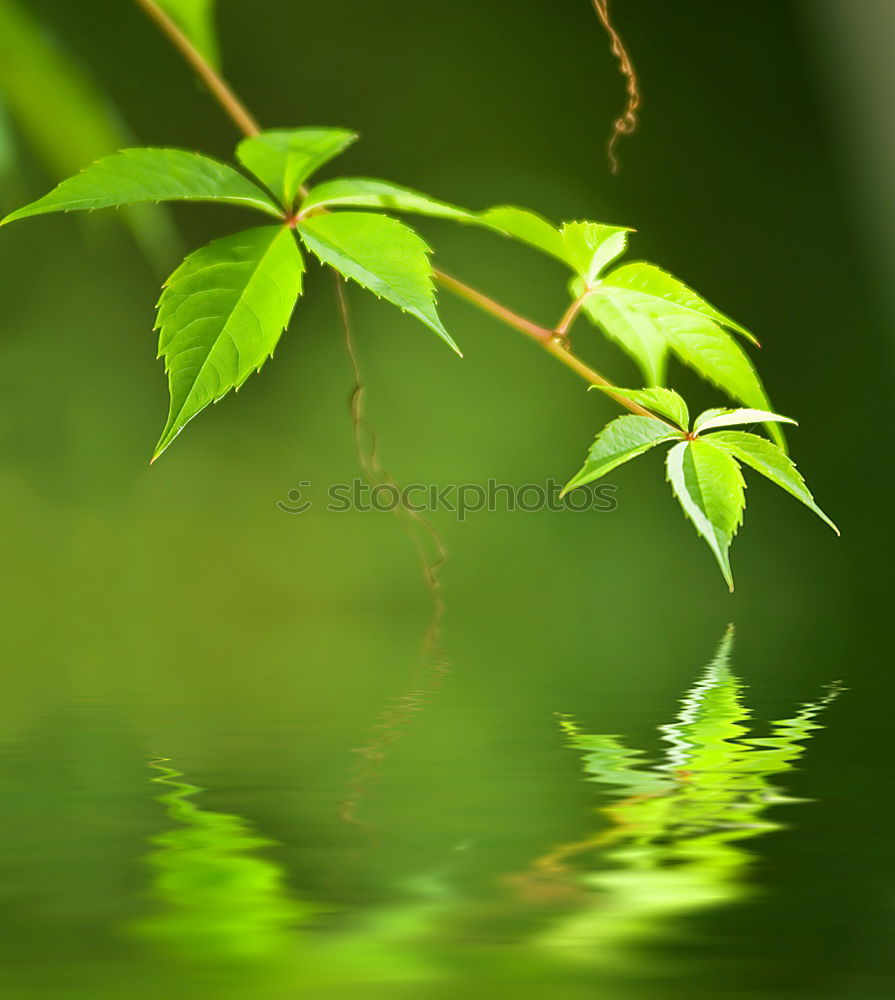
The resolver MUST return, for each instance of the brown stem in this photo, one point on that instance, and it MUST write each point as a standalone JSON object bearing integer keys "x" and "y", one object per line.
{"x": 568, "y": 317}
{"x": 550, "y": 340}
{"x": 488, "y": 305}
{"x": 626, "y": 123}
{"x": 215, "y": 82}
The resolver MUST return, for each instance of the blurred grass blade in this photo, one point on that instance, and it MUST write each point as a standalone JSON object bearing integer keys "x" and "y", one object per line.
{"x": 195, "y": 18}
{"x": 37, "y": 75}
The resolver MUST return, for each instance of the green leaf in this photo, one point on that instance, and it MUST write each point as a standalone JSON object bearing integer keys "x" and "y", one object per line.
{"x": 139, "y": 175}
{"x": 366, "y": 192}
{"x": 381, "y": 254}
{"x": 709, "y": 486}
{"x": 284, "y": 159}
{"x": 664, "y": 401}
{"x": 643, "y": 308}
{"x": 527, "y": 227}
{"x": 718, "y": 358}
{"x": 221, "y": 315}
{"x": 765, "y": 457}
{"x": 195, "y": 18}
{"x": 591, "y": 247}
{"x": 730, "y": 418}
{"x": 618, "y": 442}
{"x": 669, "y": 293}
{"x": 636, "y": 332}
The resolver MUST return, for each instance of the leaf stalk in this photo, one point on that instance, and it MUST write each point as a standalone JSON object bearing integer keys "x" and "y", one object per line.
{"x": 553, "y": 341}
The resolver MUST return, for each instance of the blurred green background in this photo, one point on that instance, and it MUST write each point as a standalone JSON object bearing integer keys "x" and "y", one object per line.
{"x": 177, "y": 612}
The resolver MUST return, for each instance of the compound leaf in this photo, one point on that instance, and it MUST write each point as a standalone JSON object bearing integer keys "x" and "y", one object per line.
{"x": 649, "y": 311}
{"x": 527, "y": 227}
{"x": 665, "y": 401}
{"x": 221, "y": 315}
{"x": 618, "y": 442}
{"x": 709, "y": 486}
{"x": 367, "y": 192}
{"x": 140, "y": 175}
{"x": 719, "y": 358}
{"x": 591, "y": 247}
{"x": 773, "y": 463}
{"x": 284, "y": 159}
{"x": 381, "y": 254}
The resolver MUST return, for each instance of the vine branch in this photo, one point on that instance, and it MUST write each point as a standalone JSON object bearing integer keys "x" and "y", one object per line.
{"x": 553, "y": 341}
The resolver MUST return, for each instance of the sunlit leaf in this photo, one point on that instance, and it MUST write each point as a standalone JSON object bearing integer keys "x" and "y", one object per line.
{"x": 713, "y": 353}
{"x": 366, "y": 192}
{"x": 649, "y": 312}
{"x": 527, "y": 227}
{"x": 666, "y": 402}
{"x": 381, "y": 254}
{"x": 141, "y": 175}
{"x": 765, "y": 457}
{"x": 592, "y": 246}
{"x": 669, "y": 293}
{"x": 635, "y": 331}
{"x": 710, "y": 419}
{"x": 618, "y": 442}
{"x": 221, "y": 315}
{"x": 284, "y": 159}
{"x": 709, "y": 486}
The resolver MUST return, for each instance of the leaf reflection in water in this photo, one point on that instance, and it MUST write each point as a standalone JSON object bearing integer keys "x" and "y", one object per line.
{"x": 220, "y": 898}
{"x": 675, "y": 834}
{"x": 222, "y": 903}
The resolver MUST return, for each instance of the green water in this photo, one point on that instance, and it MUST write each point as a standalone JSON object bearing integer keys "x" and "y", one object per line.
{"x": 509, "y": 850}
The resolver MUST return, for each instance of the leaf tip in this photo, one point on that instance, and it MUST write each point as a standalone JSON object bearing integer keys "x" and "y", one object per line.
{"x": 164, "y": 443}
